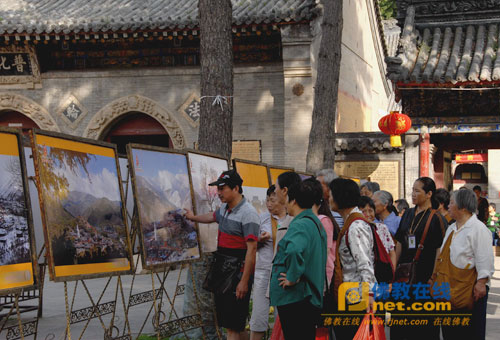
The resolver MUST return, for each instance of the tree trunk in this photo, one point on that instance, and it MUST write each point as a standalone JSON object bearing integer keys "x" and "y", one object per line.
{"x": 216, "y": 50}
{"x": 321, "y": 149}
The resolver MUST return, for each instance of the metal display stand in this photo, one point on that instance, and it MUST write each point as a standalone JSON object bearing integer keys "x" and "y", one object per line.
{"x": 17, "y": 329}
{"x": 161, "y": 302}
{"x": 111, "y": 307}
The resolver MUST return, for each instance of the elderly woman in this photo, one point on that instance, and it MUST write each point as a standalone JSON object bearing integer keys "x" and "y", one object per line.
{"x": 385, "y": 211}
{"x": 465, "y": 261}
{"x": 368, "y": 188}
{"x": 367, "y": 207}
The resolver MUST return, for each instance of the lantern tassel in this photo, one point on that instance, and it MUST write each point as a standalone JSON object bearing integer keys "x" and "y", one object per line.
{"x": 396, "y": 141}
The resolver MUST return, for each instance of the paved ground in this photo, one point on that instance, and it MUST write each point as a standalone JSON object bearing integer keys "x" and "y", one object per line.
{"x": 53, "y": 323}
{"x": 493, "y": 318}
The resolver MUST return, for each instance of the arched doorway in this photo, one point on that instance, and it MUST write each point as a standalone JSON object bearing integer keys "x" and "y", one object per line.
{"x": 136, "y": 127}
{"x": 14, "y": 119}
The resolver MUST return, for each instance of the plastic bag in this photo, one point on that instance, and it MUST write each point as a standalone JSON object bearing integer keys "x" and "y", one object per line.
{"x": 371, "y": 328}
{"x": 277, "y": 333}
{"x": 322, "y": 333}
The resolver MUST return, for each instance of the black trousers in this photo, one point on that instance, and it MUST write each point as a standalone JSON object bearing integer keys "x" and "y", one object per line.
{"x": 298, "y": 320}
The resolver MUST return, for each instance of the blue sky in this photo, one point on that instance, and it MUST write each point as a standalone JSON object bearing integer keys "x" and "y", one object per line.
{"x": 103, "y": 178}
{"x": 151, "y": 162}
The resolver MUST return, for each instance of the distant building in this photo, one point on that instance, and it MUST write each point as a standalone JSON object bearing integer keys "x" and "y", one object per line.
{"x": 446, "y": 74}
{"x": 131, "y": 73}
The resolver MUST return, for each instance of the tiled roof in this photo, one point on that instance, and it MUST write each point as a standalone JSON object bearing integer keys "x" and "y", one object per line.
{"x": 363, "y": 142}
{"x": 73, "y": 16}
{"x": 449, "y": 53}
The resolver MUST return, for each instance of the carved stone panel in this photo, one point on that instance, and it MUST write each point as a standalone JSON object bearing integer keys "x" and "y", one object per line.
{"x": 72, "y": 112}
{"x": 138, "y": 103}
{"x": 32, "y": 110}
{"x": 191, "y": 110}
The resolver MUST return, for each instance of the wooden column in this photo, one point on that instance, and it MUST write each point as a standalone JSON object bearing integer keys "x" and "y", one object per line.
{"x": 424, "y": 154}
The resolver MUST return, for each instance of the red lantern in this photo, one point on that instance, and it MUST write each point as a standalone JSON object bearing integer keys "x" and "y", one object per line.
{"x": 395, "y": 124}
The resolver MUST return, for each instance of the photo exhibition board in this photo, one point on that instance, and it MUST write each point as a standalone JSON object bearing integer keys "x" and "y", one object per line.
{"x": 81, "y": 199}
{"x": 205, "y": 169}
{"x": 275, "y": 171}
{"x": 17, "y": 244}
{"x": 255, "y": 183}
{"x": 162, "y": 191}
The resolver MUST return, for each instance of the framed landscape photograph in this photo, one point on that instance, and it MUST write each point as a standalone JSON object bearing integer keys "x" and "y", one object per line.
{"x": 81, "y": 199}
{"x": 162, "y": 191}
{"x": 18, "y": 262}
{"x": 275, "y": 171}
{"x": 255, "y": 182}
{"x": 206, "y": 168}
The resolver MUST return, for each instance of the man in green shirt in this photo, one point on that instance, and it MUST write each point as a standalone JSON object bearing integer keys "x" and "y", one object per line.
{"x": 298, "y": 274}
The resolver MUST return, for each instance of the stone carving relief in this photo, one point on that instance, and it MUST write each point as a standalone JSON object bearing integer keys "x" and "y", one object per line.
{"x": 191, "y": 110}
{"x": 110, "y": 112}
{"x": 72, "y": 111}
{"x": 32, "y": 110}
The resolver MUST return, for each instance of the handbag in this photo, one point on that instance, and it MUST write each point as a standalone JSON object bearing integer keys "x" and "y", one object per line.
{"x": 224, "y": 273}
{"x": 407, "y": 272}
{"x": 460, "y": 281}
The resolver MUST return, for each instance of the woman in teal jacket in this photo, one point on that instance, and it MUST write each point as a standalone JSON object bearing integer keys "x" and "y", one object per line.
{"x": 298, "y": 274}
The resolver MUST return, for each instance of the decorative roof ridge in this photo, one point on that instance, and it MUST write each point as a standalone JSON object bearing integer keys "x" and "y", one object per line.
{"x": 431, "y": 11}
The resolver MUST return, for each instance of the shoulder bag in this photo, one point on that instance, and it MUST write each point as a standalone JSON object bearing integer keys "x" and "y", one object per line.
{"x": 406, "y": 272}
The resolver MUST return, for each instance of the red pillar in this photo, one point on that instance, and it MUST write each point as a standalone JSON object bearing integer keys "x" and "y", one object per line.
{"x": 425, "y": 141}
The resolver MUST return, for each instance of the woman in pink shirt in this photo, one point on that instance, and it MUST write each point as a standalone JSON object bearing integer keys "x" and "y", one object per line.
{"x": 332, "y": 231}
{"x": 322, "y": 210}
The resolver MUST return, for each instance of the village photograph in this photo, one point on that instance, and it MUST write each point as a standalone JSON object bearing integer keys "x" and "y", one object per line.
{"x": 163, "y": 191}
{"x": 83, "y": 207}
{"x": 14, "y": 234}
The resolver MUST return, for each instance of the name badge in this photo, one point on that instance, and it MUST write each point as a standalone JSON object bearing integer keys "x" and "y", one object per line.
{"x": 412, "y": 242}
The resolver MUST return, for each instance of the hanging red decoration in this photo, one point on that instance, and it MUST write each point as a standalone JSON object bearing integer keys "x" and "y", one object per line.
{"x": 395, "y": 124}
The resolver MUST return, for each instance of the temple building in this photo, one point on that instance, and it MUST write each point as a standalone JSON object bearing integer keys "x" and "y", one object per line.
{"x": 446, "y": 75}
{"x": 128, "y": 71}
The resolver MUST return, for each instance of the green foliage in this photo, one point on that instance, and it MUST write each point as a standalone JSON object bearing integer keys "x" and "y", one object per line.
{"x": 387, "y": 8}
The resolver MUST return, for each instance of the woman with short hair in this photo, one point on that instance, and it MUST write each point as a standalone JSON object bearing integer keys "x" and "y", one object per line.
{"x": 354, "y": 260}
{"x": 465, "y": 261}
{"x": 298, "y": 274}
{"x": 367, "y": 207}
{"x": 368, "y": 188}
{"x": 385, "y": 211}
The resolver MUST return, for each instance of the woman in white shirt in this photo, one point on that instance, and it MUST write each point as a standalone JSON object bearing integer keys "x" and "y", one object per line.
{"x": 466, "y": 262}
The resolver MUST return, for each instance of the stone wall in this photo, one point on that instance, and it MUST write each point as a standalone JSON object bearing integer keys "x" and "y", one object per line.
{"x": 258, "y": 101}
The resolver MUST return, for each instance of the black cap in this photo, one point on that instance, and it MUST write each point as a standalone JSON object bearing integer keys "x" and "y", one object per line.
{"x": 228, "y": 177}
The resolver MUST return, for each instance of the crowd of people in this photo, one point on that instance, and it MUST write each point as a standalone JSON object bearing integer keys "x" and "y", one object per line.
{"x": 326, "y": 230}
